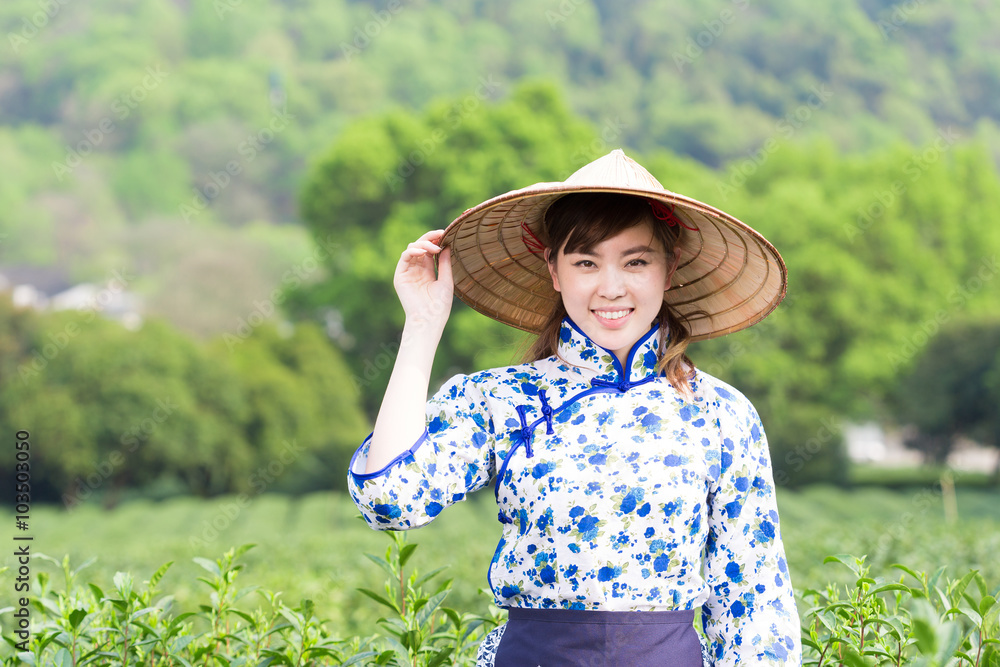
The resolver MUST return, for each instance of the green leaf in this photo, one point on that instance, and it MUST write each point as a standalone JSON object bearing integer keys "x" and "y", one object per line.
{"x": 845, "y": 559}
{"x": 96, "y": 591}
{"x": 211, "y": 584}
{"x": 430, "y": 575}
{"x": 181, "y": 643}
{"x": 358, "y": 659}
{"x": 950, "y": 637}
{"x": 123, "y": 584}
{"x": 242, "y": 614}
{"x": 276, "y": 657}
{"x": 427, "y": 612}
{"x": 889, "y": 587}
{"x": 918, "y": 576}
{"x": 242, "y": 549}
{"x": 964, "y": 582}
{"x": 850, "y": 657}
{"x": 63, "y": 658}
{"x": 82, "y": 566}
{"x": 209, "y": 565}
{"x": 142, "y": 612}
{"x": 811, "y": 644}
{"x": 378, "y": 598}
{"x": 453, "y": 616}
{"x": 243, "y": 592}
{"x": 293, "y": 618}
{"x": 158, "y": 575}
{"x": 320, "y": 651}
{"x": 405, "y": 552}
{"x": 972, "y": 615}
{"x": 439, "y": 658}
{"x": 991, "y": 620}
{"x": 985, "y": 603}
{"x": 980, "y": 584}
{"x": 923, "y": 626}
{"x": 76, "y": 616}
{"x": 932, "y": 582}
{"x": 382, "y": 563}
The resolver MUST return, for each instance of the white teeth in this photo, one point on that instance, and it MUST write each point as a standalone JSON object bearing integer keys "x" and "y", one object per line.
{"x": 614, "y": 314}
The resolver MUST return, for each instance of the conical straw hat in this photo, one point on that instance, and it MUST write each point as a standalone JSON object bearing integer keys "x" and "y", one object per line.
{"x": 729, "y": 277}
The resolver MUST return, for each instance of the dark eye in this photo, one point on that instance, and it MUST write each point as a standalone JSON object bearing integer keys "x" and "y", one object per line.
{"x": 638, "y": 262}
{"x": 584, "y": 263}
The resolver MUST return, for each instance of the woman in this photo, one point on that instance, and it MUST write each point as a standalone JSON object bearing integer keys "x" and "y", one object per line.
{"x": 633, "y": 488}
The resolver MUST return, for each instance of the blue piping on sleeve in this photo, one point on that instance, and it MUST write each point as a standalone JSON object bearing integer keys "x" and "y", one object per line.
{"x": 363, "y": 477}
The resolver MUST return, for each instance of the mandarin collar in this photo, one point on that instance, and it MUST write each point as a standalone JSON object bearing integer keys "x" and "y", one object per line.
{"x": 576, "y": 348}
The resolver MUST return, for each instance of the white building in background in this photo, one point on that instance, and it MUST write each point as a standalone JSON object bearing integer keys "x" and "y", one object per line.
{"x": 871, "y": 443}
{"x": 47, "y": 288}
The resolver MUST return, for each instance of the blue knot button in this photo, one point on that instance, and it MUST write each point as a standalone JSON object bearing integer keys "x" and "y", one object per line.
{"x": 623, "y": 385}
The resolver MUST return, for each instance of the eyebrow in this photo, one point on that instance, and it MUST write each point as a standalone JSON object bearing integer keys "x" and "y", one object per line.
{"x": 636, "y": 250}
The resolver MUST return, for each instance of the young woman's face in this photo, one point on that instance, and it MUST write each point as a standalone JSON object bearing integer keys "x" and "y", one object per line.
{"x": 614, "y": 291}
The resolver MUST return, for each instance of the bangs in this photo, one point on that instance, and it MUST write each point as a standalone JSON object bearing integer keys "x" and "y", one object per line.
{"x": 579, "y": 222}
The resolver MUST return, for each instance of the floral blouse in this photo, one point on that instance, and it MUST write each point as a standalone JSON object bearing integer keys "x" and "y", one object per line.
{"x": 616, "y": 493}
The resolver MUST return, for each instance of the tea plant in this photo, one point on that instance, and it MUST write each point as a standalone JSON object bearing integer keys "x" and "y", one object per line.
{"x": 75, "y": 625}
{"x": 934, "y": 622}
{"x": 420, "y": 631}
{"x": 914, "y": 619}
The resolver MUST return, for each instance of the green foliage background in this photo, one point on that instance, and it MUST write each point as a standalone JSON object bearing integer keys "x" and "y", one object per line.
{"x": 313, "y": 546}
{"x": 233, "y": 153}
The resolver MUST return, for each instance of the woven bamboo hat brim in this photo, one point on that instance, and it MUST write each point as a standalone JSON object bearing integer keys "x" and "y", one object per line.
{"x": 729, "y": 276}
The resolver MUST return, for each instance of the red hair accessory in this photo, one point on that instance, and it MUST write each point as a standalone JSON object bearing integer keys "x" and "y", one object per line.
{"x": 666, "y": 213}
{"x": 531, "y": 242}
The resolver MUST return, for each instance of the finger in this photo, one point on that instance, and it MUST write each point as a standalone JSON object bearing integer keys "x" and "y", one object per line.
{"x": 444, "y": 267}
{"x": 426, "y": 245}
{"x": 412, "y": 253}
{"x": 433, "y": 236}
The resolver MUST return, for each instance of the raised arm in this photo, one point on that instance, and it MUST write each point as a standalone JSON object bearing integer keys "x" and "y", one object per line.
{"x": 426, "y": 299}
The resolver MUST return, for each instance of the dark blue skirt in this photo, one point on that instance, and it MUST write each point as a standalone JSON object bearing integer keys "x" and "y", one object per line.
{"x": 570, "y": 638}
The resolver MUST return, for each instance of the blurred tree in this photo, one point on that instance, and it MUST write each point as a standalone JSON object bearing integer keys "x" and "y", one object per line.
{"x": 391, "y": 178}
{"x": 111, "y": 409}
{"x": 880, "y": 251}
{"x": 304, "y": 411}
{"x": 953, "y": 390}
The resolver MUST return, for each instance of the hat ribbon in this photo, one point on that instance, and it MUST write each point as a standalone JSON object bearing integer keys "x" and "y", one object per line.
{"x": 666, "y": 213}
{"x": 531, "y": 242}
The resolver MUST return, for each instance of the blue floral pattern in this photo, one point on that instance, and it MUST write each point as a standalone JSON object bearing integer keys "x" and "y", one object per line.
{"x": 616, "y": 493}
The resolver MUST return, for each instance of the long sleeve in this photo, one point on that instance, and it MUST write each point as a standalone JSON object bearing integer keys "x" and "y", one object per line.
{"x": 452, "y": 458}
{"x": 750, "y": 616}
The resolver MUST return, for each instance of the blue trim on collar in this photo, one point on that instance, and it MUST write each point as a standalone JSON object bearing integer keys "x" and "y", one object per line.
{"x": 623, "y": 375}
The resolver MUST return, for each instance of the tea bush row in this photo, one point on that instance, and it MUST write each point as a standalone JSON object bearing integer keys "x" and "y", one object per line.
{"x": 901, "y": 617}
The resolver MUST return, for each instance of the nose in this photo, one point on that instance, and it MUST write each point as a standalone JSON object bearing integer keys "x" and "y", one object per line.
{"x": 612, "y": 283}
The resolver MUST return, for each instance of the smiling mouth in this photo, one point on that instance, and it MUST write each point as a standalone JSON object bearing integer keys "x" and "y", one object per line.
{"x": 613, "y": 315}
